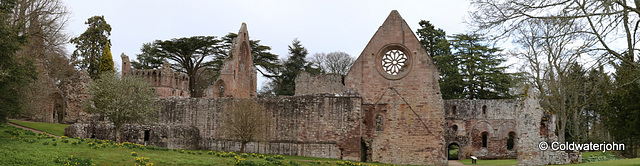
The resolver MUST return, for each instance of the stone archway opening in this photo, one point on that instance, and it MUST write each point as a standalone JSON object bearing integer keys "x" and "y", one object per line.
{"x": 453, "y": 150}
{"x": 57, "y": 107}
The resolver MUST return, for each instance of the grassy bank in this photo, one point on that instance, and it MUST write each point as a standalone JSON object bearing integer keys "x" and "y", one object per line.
{"x": 51, "y": 128}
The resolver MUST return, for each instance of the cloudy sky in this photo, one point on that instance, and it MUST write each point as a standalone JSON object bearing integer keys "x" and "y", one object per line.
{"x": 321, "y": 26}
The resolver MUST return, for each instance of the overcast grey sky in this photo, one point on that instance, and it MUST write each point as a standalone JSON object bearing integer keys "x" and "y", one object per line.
{"x": 321, "y": 26}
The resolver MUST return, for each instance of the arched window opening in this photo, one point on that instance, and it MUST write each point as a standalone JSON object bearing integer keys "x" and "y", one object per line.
{"x": 379, "y": 123}
{"x": 484, "y": 111}
{"x": 511, "y": 141}
{"x": 455, "y": 128}
{"x": 453, "y": 110}
{"x": 218, "y": 90}
{"x": 221, "y": 91}
{"x": 484, "y": 139}
{"x": 543, "y": 127}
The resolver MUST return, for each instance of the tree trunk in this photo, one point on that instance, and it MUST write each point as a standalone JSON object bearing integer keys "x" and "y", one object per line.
{"x": 243, "y": 144}
{"x": 118, "y": 133}
{"x": 562, "y": 125}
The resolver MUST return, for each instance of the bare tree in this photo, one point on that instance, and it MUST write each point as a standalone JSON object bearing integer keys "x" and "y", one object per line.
{"x": 334, "y": 62}
{"x": 606, "y": 21}
{"x": 549, "y": 52}
{"x": 44, "y": 22}
{"x": 245, "y": 121}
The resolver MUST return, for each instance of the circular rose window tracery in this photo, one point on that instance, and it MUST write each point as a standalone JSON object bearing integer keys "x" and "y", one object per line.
{"x": 394, "y": 61}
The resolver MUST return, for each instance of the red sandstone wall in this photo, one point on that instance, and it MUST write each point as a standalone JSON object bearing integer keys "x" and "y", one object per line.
{"x": 414, "y": 117}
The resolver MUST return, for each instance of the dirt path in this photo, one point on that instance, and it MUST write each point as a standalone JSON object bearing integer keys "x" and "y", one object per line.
{"x": 27, "y": 128}
{"x": 455, "y": 163}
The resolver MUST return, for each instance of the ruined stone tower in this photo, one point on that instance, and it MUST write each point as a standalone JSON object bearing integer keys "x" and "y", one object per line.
{"x": 401, "y": 97}
{"x": 238, "y": 77}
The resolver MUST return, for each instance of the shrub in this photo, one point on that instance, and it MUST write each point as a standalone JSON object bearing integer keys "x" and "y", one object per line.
{"x": 134, "y": 154}
{"x": 467, "y": 152}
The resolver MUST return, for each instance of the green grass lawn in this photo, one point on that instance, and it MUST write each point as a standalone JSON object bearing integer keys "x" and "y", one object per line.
{"x": 23, "y": 147}
{"x": 591, "y": 154}
{"x": 491, "y": 162}
{"x": 51, "y": 128}
{"x": 621, "y": 162}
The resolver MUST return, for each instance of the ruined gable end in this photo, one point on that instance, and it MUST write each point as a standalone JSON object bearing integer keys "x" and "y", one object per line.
{"x": 398, "y": 82}
{"x": 238, "y": 76}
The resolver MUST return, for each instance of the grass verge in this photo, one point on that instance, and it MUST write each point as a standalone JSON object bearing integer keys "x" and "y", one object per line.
{"x": 24, "y": 147}
{"x": 621, "y": 162}
{"x": 491, "y": 162}
{"x": 51, "y": 128}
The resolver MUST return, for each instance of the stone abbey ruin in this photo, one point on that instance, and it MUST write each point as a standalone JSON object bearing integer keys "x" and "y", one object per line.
{"x": 387, "y": 109}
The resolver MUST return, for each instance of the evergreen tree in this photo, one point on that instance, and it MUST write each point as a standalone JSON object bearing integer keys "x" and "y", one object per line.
{"x": 90, "y": 45}
{"x": 622, "y": 117}
{"x": 149, "y": 58}
{"x": 478, "y": 65}
{"x": 14, "y": 72}
{"x": 436, "y": 43}
{"x": 266, "y": 62}
{"x": 106, "y": 61}
{"x": 285, "y": 82}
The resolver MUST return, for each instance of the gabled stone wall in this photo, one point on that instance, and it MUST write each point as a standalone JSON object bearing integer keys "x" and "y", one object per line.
{"x": 399, "y": 82}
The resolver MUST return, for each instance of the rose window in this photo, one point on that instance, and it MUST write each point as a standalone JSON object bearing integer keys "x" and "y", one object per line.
{"x": 393, "y": 62}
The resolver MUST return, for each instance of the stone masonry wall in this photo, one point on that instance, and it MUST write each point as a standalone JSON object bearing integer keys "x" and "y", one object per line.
{"x": 74, "y": 94}
{"x": 399, "y": 81}
{"x": 324, "y": 83}
{"x": 164, "y": 81}
{"x": 467, "y": 119}
{"x": 321, "y": 125}
{"x": 535, "y": 126}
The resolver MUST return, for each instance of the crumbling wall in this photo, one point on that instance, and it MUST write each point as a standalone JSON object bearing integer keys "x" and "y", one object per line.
{"x": 467, "y": 120}
{"x": 321, "y": 125}
{"x": 324, "y": 83}
{"x": 74, "y": 94}
{"x": 164, "y": 81}
{"x": 238, "y": 76}
{"x": 535, "y": 126}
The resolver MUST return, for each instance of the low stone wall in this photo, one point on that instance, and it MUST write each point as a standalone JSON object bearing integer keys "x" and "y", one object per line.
{"x": 321, "y": 125}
